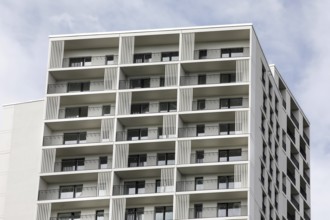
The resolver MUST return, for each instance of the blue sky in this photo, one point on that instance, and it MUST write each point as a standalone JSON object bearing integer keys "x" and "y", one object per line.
{"x": 294, "y": 35}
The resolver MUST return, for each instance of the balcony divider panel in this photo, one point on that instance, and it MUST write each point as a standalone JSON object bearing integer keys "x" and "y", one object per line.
{"x": 127, "y": 49}
{"x": 43, "y": 211}
{"x": 104, "y": 181}
{"x": 171, "y": 71}
{"x": 186, "y": 98}
{"x": 48, "y": 160}
{"x": 56, "y": 54}
{"x": 184, "y": 152}
{"x": 241, "y": 174}
{"x": 241, "y": 122}
{"x": 110, "y": 78}
{"x": 125, "y": 100}
{"x": 182, "y": 207}
{"x": 107, "y": 126}
{"x": 121, "y": 158}
{"x": 53, "y": 106}
{"x": 118, "y": 208}
{"x": 167, "y": 179}
{"x": 188, "y": 46}
{"x": 242, "y": 70}
{"x": 169, "y": 128}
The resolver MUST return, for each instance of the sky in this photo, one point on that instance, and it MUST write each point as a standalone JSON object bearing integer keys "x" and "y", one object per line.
{"x": 293, "y": 33}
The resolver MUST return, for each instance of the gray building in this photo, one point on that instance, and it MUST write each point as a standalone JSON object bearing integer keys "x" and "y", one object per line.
{"x": 179, "y": 123}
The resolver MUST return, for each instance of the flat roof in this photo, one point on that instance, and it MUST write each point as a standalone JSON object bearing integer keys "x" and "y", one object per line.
{"x": 24, "y": 102}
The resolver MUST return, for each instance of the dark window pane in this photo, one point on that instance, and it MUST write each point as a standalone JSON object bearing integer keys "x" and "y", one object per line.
{"x": 103, "y": 162}
{"x": 106, "y": 110}
{"x": 133, "y": 134}
{"x": 222, "y": 209}
{"x": 223, "y": 155}
{"x": 109, "y": 60}
{"x": 85, "y": 86}
{"x": 170, "y": 159}
{"x": 235, "y": 155}
{"x": 71, "y": 112}
{"x": 163, "y": 107}
{"x": 172, "y": 106}
{"x": 201, "y": 104}
{"x": 237, "y": 102}
{"x": 144, "y": 133}
{"x": 222, "y": 182}
{"x": 161, "y": 159}
{"x": 145, "y": 108}
{"x": 199, "y": 156}
{"x": 198, "y": 208}
{"x": 161, "y": 81}
{"x": 202, "y": 54}
{"x": 135, "y": 83}
{"x": 145, "y": 83}
{"x": 224, "y": 103}
{"x": 200, "y": 130}
{"x": 201, "y": 79}
{"x": 223, "y": 129}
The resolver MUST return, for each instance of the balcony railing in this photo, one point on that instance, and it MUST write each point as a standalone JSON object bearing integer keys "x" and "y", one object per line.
{"x": 214, "y": 104}
{"x": 208, "y": 184}
{"x": 93, "y": 86}
{"x": 54, "y": 194}
{"x": 60, "y": 139}
{"x": 105, "y": 216}
{"x": 90, "y": 61}
{"x": 216, "y": 212}
{"x": 208, "y": 131}
{"x": 155, "y": 107}
{"x": 147, "y": 189}
{"x": 142, "y": 83}
{"x": 149, "y": 161}
{"x": 214, "y": 157}
{"x": 64, "y": 166}
{"x": 208, "y": 79}
{"x": 156, "y": 57}
{"x": 221, "y": 53}
{"x": 90, "y": 112}
{"x": 152, "y": 134}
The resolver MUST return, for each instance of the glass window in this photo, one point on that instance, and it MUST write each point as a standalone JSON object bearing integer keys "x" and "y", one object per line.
{"x": 170, "y": 56}
{"x": 134, "y": 187}
{"x": 165, "y": 159}
{"x": 235, "y": 155}
{"x": 142, "y": 58}
{"x": 135, "y": 214}
{"x": 74, "y": 138}
{"x": 103, "y": 162}
{"x": 200, "y": 130}
{"x": 73, "y": 164}
{"x": 201, "y": 79}
{"x": 228, "y": 128}
{"x": 99, "y": 215}
{"x": 76, "y": 112}
{"x": 198, "y": 210}
{"x": 224, "y": 103}
{"x": 67, "y": 192}
{"x": 172, "y": 106}
{"x": 158, "y": 187}
{"x": 137, "y": 134}
{"x": 138, "y": 160}
{"x": 140, "y": 108}
{"x": 229, "y": 209}
{"x": 201, "y": 104}
{"x": 164, "y": 213}
{"x": 106, "y": 110}
{"x": 226, "y": 182}
{"x": 68, "y": 216}
{"x": 228, "y": 78}
{"x": 235, "y": 102}
{"x": 199, "y": 156}
{"x": 231, "y": 52}
{"x": 78, "y": 87}
{"x": 80, "y": 61}
{"x": 161, "y": 81}
{"x": 202, "y": 54}
{"x": 199, "y": 183}
{"x": 109, "y": 60}
{"x": 167, "y": 106}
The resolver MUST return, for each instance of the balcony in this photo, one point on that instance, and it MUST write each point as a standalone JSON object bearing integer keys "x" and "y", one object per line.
{"x": 69, "y": 165}
{"x": 153, "y": 107}
{"x": 141, "y": 187}
{"x": 74, "y": 87}
{"x": 144, "y": 160}
{"x": 142, "y": 83}
{"x": 221, "y": 53}
{"x": 222, "y": 183}
{"x": 73, "y": 138}
{"x": 72, "y": 192}
{"x": 156, "y": 57}
{"x": 218, "y": 156}
{"x": 69, "y": 216}
{"x": 202, "y": 131}
{"x": 142, "y": 134}
{"x": 219, "y": 103}
{"x": 223, "y": 210}
{"x": 208, "y": 79}
{"x": 90, "y": 61}
{"x": 86, "y": 111}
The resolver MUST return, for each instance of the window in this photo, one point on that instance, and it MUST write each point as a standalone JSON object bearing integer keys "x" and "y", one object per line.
{"x": 109, "y": 60}
{"x": 165, "y": 159}
{"x": 134, "y": 187}
{"x": 201, "y": 104}
{"x": 228, "y": 128}
{"x": 73, "y": 164}
{"x": 170, "y": 56}
{"x": 226, "y": 182}
{"x": 230, "y": 155}
{"x": 167, "y": 106}
{"x": 231, "y": 103}
{"x": 142, "y": 58}
{"x": 137, "y": 134}
{"x": 76, "y": 112}
{"x": 229, "y": 209}
{"x": 78, "y": 86}
{"x": 134, "y": 214}
{"x": 231, "y": 52}
{"x": 68, "y": 216}
{"x": 99, "y": 215}
{"x": 199, "y": 156}
{"x": 106, "y": 110}
{"x": 140, "y": 108}
{"x": 200, "y": 130}
{"x": 80, "y": 61}
{"x": 103, "y": 163}
{"x": 198, "y": 210}
{"x": 164, "y": 213}
{"x": 228, "y": 78}
{"x": 201, "y": 79}
{"x": 139, "y": 160}
{"x": 73, "y": 191}
{"x": 161, "y": 81}
{"x": 202, "y": 54}
{"x": 74, "y": 138}
{"x": 158, "y": 187}
{"x": 199, "y": 183}
{"x": 140, "y": 83}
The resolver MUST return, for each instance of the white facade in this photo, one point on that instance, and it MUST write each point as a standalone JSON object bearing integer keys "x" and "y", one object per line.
{"x": 169, "y": 124}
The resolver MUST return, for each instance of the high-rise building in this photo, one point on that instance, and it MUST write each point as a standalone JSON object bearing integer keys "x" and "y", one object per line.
{"x": 179, "y": 123}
